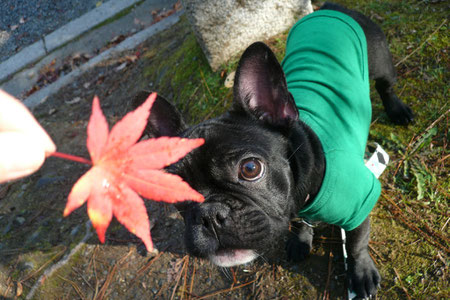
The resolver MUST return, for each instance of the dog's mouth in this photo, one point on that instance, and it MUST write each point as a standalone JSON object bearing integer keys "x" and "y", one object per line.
{"x": 232, "y": 257}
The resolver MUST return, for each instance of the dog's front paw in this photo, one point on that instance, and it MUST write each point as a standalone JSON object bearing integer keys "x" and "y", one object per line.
{"x": 364, "y": 277}
{"x": 299, "y": 245}
{"x": 297, "y": 250}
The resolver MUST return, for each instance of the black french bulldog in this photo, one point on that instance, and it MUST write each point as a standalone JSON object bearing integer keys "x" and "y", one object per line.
{"x": 260, "y": 164}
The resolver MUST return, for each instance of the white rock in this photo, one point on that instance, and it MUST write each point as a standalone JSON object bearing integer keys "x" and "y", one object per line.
{"x": 226, "y": 27}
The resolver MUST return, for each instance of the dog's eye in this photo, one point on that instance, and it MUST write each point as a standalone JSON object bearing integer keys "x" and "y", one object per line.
{"x": 251, "y": 169}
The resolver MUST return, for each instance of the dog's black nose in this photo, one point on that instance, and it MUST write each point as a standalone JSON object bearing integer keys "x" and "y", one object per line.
{"x": 212, "y": 216}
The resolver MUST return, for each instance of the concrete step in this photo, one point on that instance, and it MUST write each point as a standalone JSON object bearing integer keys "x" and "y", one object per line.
{"x": 86, "y": 35}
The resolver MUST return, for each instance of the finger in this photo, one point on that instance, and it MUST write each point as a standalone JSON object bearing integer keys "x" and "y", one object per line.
{"x": 14, "y": 116}
{"x": 20, "y": 155}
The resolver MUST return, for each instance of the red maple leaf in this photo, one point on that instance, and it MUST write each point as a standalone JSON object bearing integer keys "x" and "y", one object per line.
{"x": 123, "y": 169}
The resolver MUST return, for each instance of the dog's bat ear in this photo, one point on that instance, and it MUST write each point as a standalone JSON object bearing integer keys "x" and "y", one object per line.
{"x": 164, "y": 119}
{"x": 260, "y": 87}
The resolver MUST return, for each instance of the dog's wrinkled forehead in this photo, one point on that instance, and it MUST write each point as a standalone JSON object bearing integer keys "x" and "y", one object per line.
{"x": 235, "y": 138}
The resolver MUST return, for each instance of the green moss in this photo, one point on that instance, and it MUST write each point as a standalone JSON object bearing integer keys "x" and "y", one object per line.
{"x": 55, "y": 285}
{"x": 185, "y": 75}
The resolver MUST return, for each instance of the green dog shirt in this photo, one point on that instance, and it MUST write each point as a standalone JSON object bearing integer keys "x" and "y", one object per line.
{"x": 327, "y": 73}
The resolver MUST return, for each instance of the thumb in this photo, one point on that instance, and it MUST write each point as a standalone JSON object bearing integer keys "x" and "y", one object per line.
{"x": 20, "y": 155}
{"x": 15, "y": 117}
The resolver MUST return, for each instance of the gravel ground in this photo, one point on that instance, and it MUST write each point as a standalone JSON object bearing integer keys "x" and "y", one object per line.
{"x": 23, "y": 22}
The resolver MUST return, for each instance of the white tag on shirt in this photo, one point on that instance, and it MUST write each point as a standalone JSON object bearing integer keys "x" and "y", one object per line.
{"x": 378, "y": 161}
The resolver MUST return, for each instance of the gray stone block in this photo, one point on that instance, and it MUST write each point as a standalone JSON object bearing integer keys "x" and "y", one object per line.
{"x": 226, "y": 27}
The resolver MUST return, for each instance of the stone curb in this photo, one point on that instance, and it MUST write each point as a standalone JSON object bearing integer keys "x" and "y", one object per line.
{"x": 128, "y": 44}
{"x": 26, "y": 56}
{"x": 64, "y": 34}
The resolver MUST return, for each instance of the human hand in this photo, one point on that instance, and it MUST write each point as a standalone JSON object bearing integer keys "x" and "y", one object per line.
{"x": 24, "y": 144}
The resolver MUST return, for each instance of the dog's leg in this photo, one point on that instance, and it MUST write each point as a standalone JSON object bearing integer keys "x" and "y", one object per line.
{"x": 397, "y": 111}
{"x": 299, "y": 243}
{"x": 362, "y": 272}
{"x": 381, "y": 68}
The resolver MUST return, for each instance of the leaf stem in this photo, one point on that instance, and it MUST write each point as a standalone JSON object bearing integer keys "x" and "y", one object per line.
{"x": 71, "y": 157}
